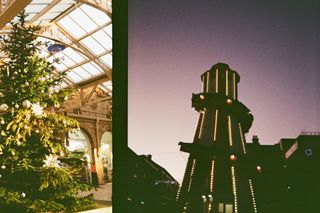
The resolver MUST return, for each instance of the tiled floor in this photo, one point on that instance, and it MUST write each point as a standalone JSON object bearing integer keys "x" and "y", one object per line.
{"x": 103, "y": 198}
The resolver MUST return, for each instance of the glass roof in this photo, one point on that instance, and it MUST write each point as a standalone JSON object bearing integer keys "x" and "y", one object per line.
{"x": 84, "y": 29}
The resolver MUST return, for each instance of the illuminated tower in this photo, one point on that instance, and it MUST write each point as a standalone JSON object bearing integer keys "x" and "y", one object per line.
{"x": 218, "y": 176}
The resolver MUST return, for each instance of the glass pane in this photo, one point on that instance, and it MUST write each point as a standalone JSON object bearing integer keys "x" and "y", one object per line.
{"x": 73, "y": 55}
{"x": 35, "y": 8}
{"x": 41, "y": 2}
{"x": 59, "y": 8}
{"x": 93, "y": 45}
{"x": 108, "y": 29}
{"x": 81, "y": 72}
{"x": 30, "y": 16}
{"x": 107, "y": 59}
{"x": 103, "y": 39}
{"x": 83, "y": 20}
{"x": 67, "y": 61}
{"x": 74, "y": 29}
{"x": 49, "y": 16}
{"x": 74, "y": 77}
{"x": 60, "y": 66}
{"x": 43, "y": 53}
{"x": 91, "y": 69}
{"x": 98, "y": 16}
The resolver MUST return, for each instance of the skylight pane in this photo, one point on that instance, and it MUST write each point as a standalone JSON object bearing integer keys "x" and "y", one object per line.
{"x": 107, "y": 59}
{"x": 41, "y": 2}
{"x": 35, "y": 8}
{"x": 97, "y": 15}
{"x": 94, "y": 46}
{"x": 74, "y": 77}
{"x": 81, "y": 72}
{"x": 63, "y": 85}
{"x": 30, "y": 16}
{"x": 91, "y": 69}
{"x": 60, "y": 66}
{"x": 67, "y": 1}
{"x": 49, "y": 16}
{"x": 83, "y": 20}
{"x": 43, "y": 53}
{"x": 108, "y": 29}
{"x": 69, "y": 25}
{"x": 67, "y": 61}
{"x": 103, "y": 39}
{"x": 73, "y": 55}
{"x": 59, "y": 8}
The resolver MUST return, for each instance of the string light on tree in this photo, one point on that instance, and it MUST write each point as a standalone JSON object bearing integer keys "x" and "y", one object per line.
{"x": 27, "y": 126}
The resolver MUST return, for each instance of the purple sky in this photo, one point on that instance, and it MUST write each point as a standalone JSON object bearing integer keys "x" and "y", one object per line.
{"x": 273, "y": 45}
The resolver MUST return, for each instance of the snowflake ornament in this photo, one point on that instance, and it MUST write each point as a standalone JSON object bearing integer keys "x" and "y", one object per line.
{"x": 51, "y": 161}
{"x": 37, "y": 109}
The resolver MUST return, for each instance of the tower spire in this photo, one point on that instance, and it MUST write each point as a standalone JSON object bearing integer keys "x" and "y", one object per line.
{"x": 218, "y": 176}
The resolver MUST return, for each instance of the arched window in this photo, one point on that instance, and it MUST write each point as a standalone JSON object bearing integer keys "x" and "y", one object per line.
{"x": 106, "y": 154}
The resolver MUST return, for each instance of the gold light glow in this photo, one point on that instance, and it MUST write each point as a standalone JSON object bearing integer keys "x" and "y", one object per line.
{"x": 229, "y": 130}
{"x": 242, "y": 139}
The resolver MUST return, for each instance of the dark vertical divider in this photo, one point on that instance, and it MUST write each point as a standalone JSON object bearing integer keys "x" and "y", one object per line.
{"x": 120, "y": 104}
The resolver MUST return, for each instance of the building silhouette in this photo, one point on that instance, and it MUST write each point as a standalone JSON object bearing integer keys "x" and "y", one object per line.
{"x": 219, "y": 175}
{"x": 150, "y": 187}
{"x": 288, "y": 176}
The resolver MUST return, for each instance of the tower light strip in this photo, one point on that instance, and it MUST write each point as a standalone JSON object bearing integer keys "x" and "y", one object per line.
{"x": 234, "y": 189}
{"x": 253, "y": 198}
{"x": 212, "y": 176}
{"x": 215, "y": 126}
{"x": 229, "y": 130}
{"x": 202, "y": 121}
{"x": 217, "y": 81}
{"x": 208, "y": 77}
{"x": 191, "y": 173}
{"x": 227, "y": 86}
{"x": 202, "y": 78}
{"x": 234, "y": 85}
{"x": 242, "y": 140}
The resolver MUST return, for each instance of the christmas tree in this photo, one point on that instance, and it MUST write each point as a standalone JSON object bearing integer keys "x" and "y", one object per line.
{"x": 31, "y": 135}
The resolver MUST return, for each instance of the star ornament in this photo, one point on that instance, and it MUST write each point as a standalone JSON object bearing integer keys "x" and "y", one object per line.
{"x": 37, "y": 109}
{"x": 51, "y": 161}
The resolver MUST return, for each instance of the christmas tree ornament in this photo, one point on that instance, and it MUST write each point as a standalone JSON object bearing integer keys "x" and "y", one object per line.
{"x": 51, "y": 161}
{"x": 23, "y": 149}
{"x": 1, "y": 95}
{"x": 3, "y": 107}
{"x": 50, "y": 90}
{"x": 0, "y": 176}
{"x": 37, "y": 109}
{"x": 26, "y": 104}
{"x": 16, "y": 106}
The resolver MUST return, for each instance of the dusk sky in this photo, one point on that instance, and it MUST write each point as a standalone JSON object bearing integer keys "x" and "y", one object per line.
{"x": 273, "y": 45}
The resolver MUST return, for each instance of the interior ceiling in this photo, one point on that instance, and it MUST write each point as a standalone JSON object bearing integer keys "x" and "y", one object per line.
{"x": 84, "y": 27}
